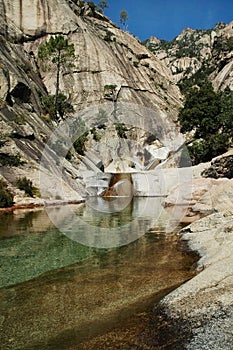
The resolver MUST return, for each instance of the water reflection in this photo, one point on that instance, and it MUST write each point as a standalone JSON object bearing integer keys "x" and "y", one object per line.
{"x": 22, "y": 222}
{"x": 71, "y": 292}
{"x": 30, "y": 244}
{"x": 108, "y": 223}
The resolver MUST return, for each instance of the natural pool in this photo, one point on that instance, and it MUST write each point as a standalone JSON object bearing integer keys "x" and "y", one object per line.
{"x": 57, "y": 293}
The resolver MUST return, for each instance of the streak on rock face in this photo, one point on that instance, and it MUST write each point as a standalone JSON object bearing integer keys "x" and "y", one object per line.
{"x": 35, "y": 17}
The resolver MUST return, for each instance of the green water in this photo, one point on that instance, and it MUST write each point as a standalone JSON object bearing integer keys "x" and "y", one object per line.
{"x": 31, "y": 245}
{"x": 59, "y": 293}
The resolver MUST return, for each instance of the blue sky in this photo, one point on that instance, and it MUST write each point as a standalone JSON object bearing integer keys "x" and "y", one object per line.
{"x": 167, "y": 18}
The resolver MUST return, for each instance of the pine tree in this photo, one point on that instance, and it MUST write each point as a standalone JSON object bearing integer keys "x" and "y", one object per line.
{"x": 57, "y": 51}
{"x": 124, "y": 18}
{"x": 103, "y": 4}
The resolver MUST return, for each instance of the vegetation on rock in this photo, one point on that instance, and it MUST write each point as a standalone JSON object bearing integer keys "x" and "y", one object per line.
{"x": 110, "y": 91}
{"x": 208, "y": 116}
{"x": 124, "y": 18}
{"x": 186, "y": 46}
{"x": 6, "y": 196}
{"x": 195, "y": 55}
{"x": 109, "y": 36}
{"x": 61, "y": 108}
{"x": 196, "y": 79}
{"x": 95, "y": 134}
{"x": 26, "y": 185}
{"x": 7, "y": 159}
{"x": 57, "y": 51}
{"x": 222, "y": 167}
{"x": 103, "y": 5}
{"x": 121, "y": 130}
{"x": 79, "y": 144}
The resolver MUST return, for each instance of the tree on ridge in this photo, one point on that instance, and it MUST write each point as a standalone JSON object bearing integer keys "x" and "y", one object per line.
{"x": 124, "y": 18}
{"x": 103, "y": 4}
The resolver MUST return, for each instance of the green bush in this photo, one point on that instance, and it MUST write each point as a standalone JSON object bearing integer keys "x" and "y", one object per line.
{"x": 208, "y": 115}
{"x": 199, "y": 78}
{"x": 64, "y": 107}
{"x": 92, "y": 7}
{"x": 223, "y": 44}
{"x": 121, "y": 130}
{"x": 108, "y": 36}
{"x": 205, "y": 150}
{"x": 2, "y": 142}
{"x": 110, "y": 91}
{"x": 26, "y": 185}
{"x": 6, "y": 197}
{"x": 79, "y": 144}
{"x": 10, "y": 159}
{"x": 96, "y": 135}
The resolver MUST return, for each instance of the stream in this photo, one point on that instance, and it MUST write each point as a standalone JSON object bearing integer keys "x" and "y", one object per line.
{"x": 92, "y": 286}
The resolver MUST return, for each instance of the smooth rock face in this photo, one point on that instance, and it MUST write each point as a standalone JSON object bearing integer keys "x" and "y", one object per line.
{"x": 141, "y": 80}
{"x": 34, "y": 18}
{"x": 146, "y": 184}
{"x": 203, "y": 307}
{"x": 218, "y": 198}
{"x": 120, "y": 60}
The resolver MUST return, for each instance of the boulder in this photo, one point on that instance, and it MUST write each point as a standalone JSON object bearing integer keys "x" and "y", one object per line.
{"x": 220, "y": 167}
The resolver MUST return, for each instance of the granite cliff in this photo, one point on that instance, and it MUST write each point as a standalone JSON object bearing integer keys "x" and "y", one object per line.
{"x": 124, "y": 94}
{"x": 106, "y": 57}
{"x": 199, "y": 51}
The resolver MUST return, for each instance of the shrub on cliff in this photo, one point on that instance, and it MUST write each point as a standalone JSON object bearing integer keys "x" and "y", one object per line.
{"x": 7, "y": 159}
{"x": 79, "y": 144}
{"x": 62, "y": 108}
{"x": 6, "y": 197}
{"x": 26, "y": 185}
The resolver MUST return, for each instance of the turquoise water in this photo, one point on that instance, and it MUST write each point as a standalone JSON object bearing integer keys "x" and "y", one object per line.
{"x": 61, "y": 293}
{"x": 30, "y": 245}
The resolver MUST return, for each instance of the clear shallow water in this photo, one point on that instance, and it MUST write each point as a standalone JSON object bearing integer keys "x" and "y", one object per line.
{"x": 57, "y": 293}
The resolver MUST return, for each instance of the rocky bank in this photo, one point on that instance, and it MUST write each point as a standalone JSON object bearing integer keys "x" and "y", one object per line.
{"x": 199, "y": 314}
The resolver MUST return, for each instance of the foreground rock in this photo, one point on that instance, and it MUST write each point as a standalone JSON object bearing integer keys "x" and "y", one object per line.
{"x": 199, "y": 314}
